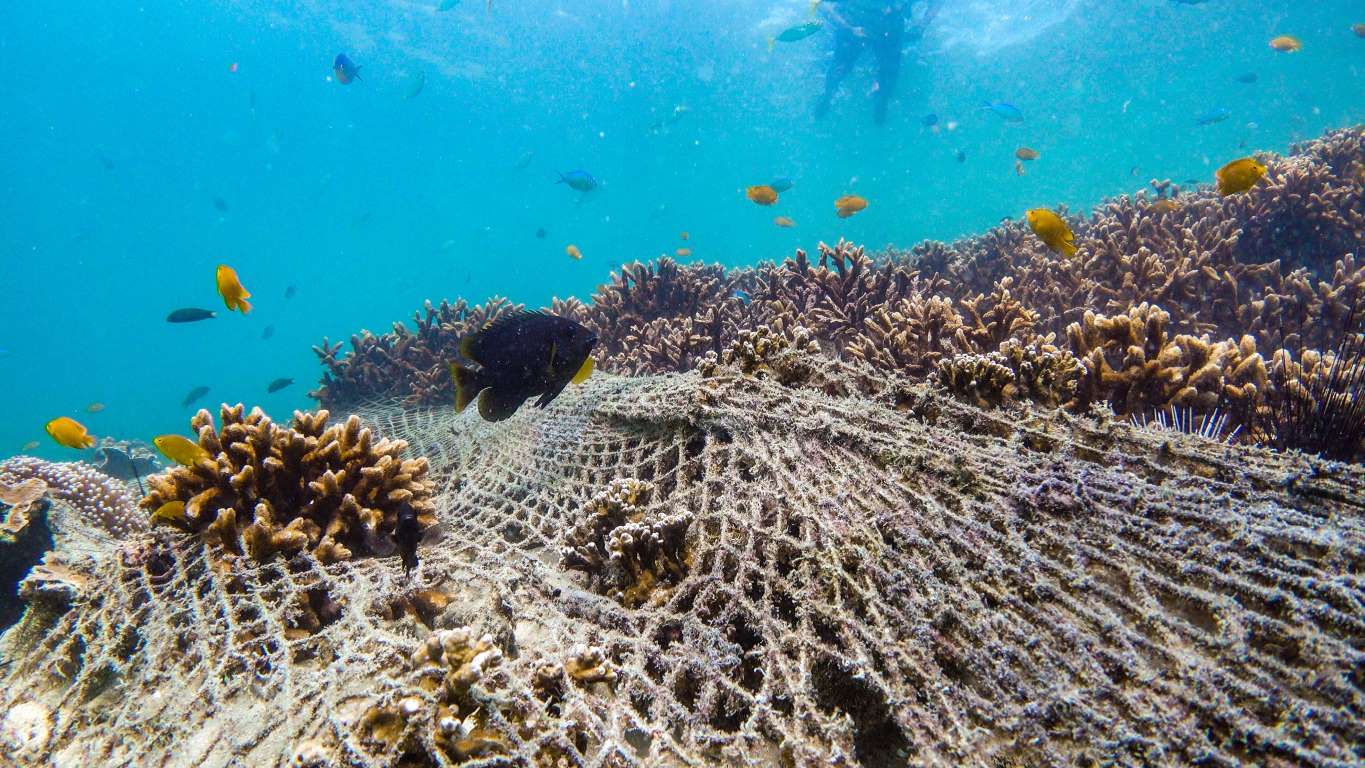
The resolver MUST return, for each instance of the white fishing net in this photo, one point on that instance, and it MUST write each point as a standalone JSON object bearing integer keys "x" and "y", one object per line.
{"x": 863, "y": 579}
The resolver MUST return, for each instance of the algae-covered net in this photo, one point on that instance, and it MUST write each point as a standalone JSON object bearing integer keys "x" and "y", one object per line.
{"x": 790, "y": 564}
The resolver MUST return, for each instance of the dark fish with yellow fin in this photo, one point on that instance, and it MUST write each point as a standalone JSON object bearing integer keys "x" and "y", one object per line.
{"x": 518, "y": 356}
{"x": 1052, "y": 230}
{"x": 70, "y": 433}
{"x": 180, "y": 449}
{"x": 1239, "y": 176}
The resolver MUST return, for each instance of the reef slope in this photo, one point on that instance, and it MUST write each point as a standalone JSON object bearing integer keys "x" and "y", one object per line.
{"x": 781, "y": 559}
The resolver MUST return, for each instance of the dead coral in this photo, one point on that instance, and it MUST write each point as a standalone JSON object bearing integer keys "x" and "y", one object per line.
{"x": 335, "y": 491}
{"x": 627, "y": 554}
{"x": 21, "y": 497}
{"x": 455, "y": 706}
{"x": 96, "y": 498}
{"x": 1038, "y": 373}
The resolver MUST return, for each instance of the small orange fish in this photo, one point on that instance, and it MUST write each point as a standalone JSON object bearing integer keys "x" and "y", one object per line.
{"x": 1164, "y": 205}
{"x": 30, "y": 445}
{"x": 1026, "y": 153}
{"x": 230, "y": 288}
{"x": 784, "y": 222}
{"x": 94, "y": 408}
{"x": 761, "y": 194}
{"x": 573, "y": 252}
{"x": 849, "y": 204}
{"x": 684, "y": 235}
{"x": 70, "y": 433}
{"x": 683, "y": 252}
{"x": 1019, "y": 169}
{"x": 1286, "y": 44}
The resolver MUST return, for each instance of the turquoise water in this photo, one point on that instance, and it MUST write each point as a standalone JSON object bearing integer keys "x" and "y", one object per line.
{"x": 123, "y": 123}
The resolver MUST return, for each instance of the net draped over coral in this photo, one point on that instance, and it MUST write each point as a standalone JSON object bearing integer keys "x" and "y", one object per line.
{"x": 870, "y": 574}
{"x": 848, "y": 510}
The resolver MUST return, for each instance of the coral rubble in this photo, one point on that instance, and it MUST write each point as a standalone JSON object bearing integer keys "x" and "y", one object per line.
{"x": 264, "y": 488}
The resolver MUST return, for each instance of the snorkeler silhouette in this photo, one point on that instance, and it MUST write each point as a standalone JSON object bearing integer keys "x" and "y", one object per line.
{"x": 880, "y": 24}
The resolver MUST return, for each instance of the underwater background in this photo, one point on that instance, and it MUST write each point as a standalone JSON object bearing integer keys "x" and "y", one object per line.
{"x": 146, "y": 143}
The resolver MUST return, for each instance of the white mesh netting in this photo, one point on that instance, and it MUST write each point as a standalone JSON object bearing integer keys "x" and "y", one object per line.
{"x": 867, "y": 580}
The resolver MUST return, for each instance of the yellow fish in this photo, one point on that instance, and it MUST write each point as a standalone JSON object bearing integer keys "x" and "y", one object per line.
{"x": 1286, "y": 44}
{"x": 179, "y": 449}
{"x": 683, "y": 252}
{"x": 1239, "y": 176}
{"x": 1054, "y": 232}
{"x": 573, "y": 252}
{"x": 1026, "y": 153}
{"x": 784, "y": 221}
{"x": 70, "y": 433}
{"x": 1164, "y": 205}
{"x": 234, "y": 295}
{"x": 848, "y": 205}
{"x": 761, "y": 194}
{"x": 172, "y": 512}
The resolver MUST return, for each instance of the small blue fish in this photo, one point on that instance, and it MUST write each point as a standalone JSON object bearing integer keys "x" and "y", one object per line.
{"x": 1213, "y": 116}
{"x": 781, "y": 184}
{"x": 1247, "y": 78}
{"x": 345, "y": 69}
{"x": 581, "y": 181}
{"x": 930, "y": 120}
{"x": 1006, "y": 110}
{"x": 743, "y": 296}
{"x": 961, "y": 156}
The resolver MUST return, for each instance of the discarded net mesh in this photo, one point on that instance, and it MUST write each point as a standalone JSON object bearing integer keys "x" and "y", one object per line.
{"x": 866, "y": 574}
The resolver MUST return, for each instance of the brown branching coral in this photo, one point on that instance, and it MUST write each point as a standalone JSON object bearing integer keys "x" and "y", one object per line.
{"x": 1134, "y": 363}
{"x": 99, "y": 500}
{"x": 628, "y": 553}
{"x": 264, "y": 488}
{"x": 766, "y": 352}
{"x": 1039, "y": 373}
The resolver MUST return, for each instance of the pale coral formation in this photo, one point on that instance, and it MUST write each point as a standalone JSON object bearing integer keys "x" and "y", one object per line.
{"x": 336, "y": 491}
{"x": 100, "y": 500}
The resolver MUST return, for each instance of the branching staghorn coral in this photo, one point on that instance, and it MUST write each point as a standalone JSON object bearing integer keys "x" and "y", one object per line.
{"x": 264, "y": 488}
{"x": 1038, "y": 373}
